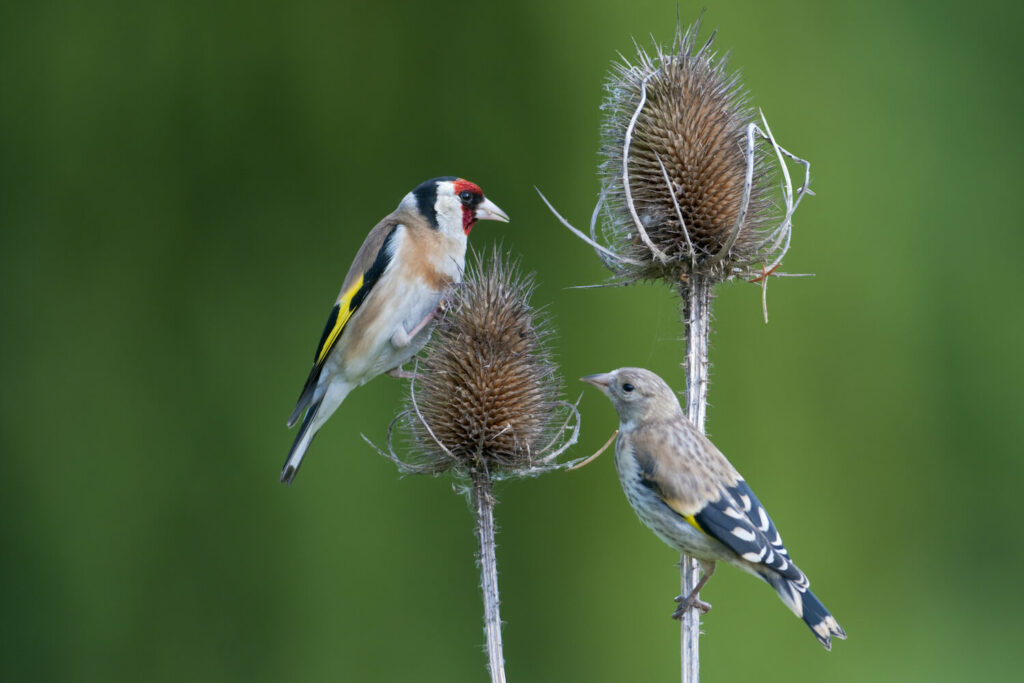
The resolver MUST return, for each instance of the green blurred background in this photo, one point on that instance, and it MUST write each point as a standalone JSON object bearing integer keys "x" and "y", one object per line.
{"x": 182, "y": 187}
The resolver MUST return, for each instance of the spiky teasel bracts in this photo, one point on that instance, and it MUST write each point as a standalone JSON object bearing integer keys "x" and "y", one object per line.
{"x": 486, "y": 392}
{"x": 682, "y": 120}
{"x": 688, "y": 175}
{"x": 487, "y": 389}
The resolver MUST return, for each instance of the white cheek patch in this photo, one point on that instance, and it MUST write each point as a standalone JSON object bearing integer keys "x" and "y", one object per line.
{"x": 448, "y": 209}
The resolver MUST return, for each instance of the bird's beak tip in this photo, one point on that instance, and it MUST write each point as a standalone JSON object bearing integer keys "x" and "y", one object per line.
{"x": 600, "y": 380}
{"x": 489, "y": 211}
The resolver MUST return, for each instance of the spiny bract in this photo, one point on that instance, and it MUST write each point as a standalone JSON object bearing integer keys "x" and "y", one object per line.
{"x": 693, "y": 124}
{"x": 486, "y": 388}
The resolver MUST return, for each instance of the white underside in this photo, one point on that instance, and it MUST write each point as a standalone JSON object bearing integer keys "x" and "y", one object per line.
{"x": 365, "y": 348}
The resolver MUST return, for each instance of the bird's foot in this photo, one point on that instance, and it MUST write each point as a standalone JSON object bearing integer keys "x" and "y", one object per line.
{"x": 686, "y": 602}
{"x": 399, "y": 373}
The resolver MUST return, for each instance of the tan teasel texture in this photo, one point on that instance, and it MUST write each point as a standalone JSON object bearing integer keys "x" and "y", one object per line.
{"x": 486, "y": 389}
{"x": 693, "y": 127}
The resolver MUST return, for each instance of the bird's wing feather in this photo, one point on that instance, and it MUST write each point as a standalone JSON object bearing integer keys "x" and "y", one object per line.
{"x": 700, "y": 485}
{"x": 684, "y": 483}
{"x": 370, "y": 262}
{"x": 739, "y": 521}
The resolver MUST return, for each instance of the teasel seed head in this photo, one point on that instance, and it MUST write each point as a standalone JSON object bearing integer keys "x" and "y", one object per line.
{"x": 486, "y": 393}
{"x": 681, "y": 122}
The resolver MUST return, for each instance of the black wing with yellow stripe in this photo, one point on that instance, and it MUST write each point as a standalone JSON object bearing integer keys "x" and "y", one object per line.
{"x": 351, "y": 299}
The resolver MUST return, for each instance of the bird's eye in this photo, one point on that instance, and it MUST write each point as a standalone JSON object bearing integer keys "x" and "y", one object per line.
{"x": 628, "y": 387}
{"x": 466, "y": 196}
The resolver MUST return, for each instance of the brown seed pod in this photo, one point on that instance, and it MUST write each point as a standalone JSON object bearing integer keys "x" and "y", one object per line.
{"x": 486, "y": 391}
{"x": 681, "y": 123}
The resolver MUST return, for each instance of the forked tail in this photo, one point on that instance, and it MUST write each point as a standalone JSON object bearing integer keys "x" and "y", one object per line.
{"x": 300, "y": 446}
{"x": 808, "y": 607}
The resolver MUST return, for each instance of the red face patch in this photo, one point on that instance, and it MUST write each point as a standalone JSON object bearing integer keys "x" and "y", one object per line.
{"x": 463, "y": 185}
{"x": 468, "y": 219}
{"x": 468, "y": 212}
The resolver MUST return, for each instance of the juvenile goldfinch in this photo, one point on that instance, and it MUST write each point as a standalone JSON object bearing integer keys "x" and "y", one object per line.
{"x": 684, "y": 489}
{"x": 384, "y": 312}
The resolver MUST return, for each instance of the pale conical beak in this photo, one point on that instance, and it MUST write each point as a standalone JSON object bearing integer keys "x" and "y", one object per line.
{"x": 600, "y": 381}
{"x": 489, "y": 211}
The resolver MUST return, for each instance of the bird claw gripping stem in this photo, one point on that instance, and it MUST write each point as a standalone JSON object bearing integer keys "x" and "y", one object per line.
{"x": 685, "y": 603}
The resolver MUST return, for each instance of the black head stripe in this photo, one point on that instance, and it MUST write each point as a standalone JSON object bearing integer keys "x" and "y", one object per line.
{"x": 426, "y": 197}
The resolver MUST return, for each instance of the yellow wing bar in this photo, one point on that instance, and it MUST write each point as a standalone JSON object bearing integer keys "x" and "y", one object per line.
{"x": 345, "y": 310}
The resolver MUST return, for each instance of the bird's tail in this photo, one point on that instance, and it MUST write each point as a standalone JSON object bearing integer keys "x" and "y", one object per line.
{"x": 302, "y": 441}
{"x": 808, "y": 607}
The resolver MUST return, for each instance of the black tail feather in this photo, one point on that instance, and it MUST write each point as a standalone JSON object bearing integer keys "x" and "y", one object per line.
{"x": 808, "y": 607}
{"x": 295, "y": 455}
{"x": 820, "y": 620}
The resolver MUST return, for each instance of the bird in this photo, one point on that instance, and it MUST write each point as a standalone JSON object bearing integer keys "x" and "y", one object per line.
{"x": 390, "y": 298}
{"x": 683, "y": 488}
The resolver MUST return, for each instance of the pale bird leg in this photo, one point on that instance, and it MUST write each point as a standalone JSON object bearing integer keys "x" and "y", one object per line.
{"x": 693, "y": 599}
{"x": 400, "y": 339}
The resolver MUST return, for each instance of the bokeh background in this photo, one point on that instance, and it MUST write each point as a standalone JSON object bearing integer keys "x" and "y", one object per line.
{"x": 182, "y": 187}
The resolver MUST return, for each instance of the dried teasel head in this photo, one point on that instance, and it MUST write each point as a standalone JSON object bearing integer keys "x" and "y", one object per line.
{"x": 486, "y": 393}
{"x": 687, "y": 176}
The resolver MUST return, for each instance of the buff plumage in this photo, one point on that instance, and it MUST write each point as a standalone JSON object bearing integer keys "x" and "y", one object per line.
{"x": 386, "y": 308}
{"x": 690, "y": 495}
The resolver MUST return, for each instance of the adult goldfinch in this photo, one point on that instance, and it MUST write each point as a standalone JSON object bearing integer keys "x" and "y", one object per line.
{"x": 684, "y": 489}
{"x": 384, "y": 312}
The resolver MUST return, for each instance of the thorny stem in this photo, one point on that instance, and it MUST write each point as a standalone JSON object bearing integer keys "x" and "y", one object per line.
{"x": 483, "y": 508}
{"x": 696, "y": 295}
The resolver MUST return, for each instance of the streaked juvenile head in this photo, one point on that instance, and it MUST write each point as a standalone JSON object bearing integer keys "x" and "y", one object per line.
{"x": 637, "y": 394}
{"x": 452, "y": 205}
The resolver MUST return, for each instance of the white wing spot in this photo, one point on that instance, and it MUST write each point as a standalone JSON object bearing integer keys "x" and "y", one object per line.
{"x": 763, "y": 526}
{"x": 733, "y": 512}
{"x": 743, "y": 534}
{"x": 746, "y": 502}
{"x": 753, "y": 557}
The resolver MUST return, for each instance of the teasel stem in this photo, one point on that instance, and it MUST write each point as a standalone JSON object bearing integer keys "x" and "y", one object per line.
{"x": 696, "y": 296}
{"x": 483, "y": 508}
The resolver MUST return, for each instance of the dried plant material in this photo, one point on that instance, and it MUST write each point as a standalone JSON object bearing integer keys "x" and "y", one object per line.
{"x": 487, "y": 387}
{"x": 694, "y": 191}
{"x": 486, "y": 392}
{"x": 676, "y": 165}
{"x": 484, "y": 404}
{"x": 692, "y": 186}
